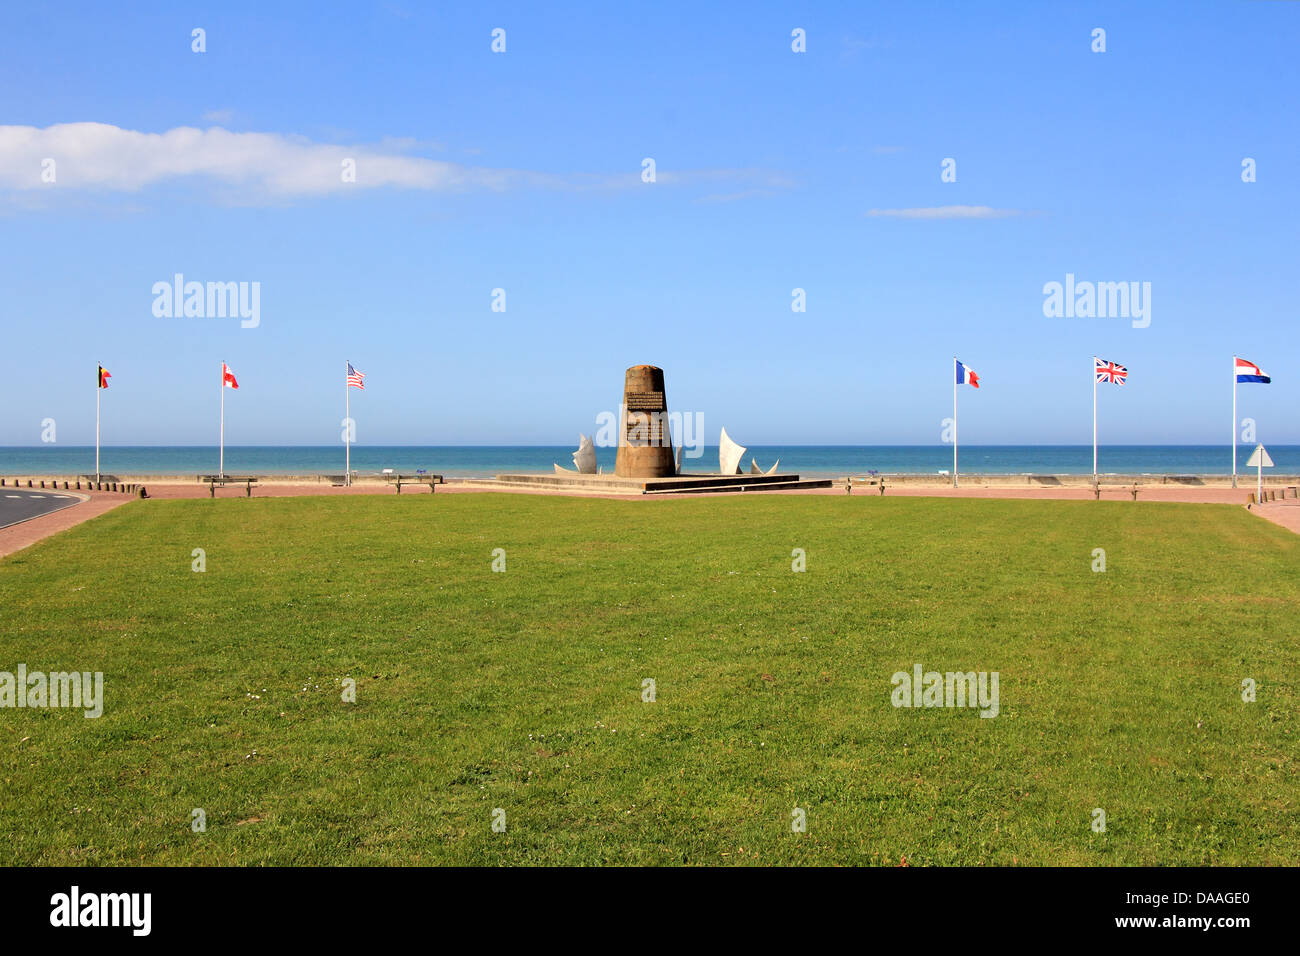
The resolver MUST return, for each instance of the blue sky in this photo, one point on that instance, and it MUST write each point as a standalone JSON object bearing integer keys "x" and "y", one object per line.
{"x": 775, "y": 170}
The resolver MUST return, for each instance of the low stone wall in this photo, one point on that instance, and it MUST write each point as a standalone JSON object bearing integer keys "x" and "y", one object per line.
{"x": 1275, "y": 494}
{"x": 75, "y": 484}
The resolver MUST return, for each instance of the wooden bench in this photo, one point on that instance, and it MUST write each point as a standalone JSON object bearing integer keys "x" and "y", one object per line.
{"x": 430, "y": 480}
{"x": 1132, "y": 490}
{"x": 248, "y": 481}
{"x": 867, "y": 481}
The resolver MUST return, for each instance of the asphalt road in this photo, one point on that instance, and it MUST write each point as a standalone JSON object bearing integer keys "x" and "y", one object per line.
{"x": 20, "y": 504}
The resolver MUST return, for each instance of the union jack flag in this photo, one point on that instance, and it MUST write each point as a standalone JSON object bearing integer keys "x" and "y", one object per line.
{"x": 355, "y": 377}
{"x": 1109, "y": 372}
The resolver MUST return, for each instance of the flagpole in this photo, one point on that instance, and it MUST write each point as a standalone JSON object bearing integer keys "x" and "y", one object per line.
{"x": 1094, "y": 423}
{"x": 221, "y": 460}
{"x": 954, "y": 421}
{"x": 1234, "y": 421}
{"x": 99, "y": 381}
{"x": 347, "y": 426}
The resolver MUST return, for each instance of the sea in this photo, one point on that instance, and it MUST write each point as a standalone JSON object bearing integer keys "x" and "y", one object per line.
{"x": 472, "y": 461}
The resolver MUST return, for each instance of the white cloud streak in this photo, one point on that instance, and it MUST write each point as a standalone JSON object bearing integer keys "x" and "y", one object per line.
{"x": 272, "y": 166}
{"x": 101, "y": 156}
{"x": 947, "y": 212}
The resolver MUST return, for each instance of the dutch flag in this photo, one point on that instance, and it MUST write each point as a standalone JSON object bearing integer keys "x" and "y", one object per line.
{"x": 1249, "y": 372}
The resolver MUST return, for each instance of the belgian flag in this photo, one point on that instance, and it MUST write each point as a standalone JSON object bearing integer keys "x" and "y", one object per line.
{"x": 103, "y": 377}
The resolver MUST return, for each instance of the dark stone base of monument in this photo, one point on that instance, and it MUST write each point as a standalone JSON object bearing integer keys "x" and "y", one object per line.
{"x": 693, "y": 484}
{"x": 645, "y": 444}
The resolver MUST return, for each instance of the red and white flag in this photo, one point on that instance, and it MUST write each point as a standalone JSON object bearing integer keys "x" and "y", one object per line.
{"x": 1249, "y": 372}
{"x": 228, "y": 377}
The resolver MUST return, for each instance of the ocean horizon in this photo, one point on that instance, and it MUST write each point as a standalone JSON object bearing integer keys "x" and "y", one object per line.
{"x": 480, "y": 461}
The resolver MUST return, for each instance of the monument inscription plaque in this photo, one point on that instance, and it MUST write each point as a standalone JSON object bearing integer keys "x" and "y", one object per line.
{"x": 645, "y": 402}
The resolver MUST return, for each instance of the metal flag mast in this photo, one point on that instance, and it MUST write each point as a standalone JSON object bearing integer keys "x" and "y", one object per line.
{"x": 1094, "y": 422}
{"x": 1234, "y": 421}
{"x": 347, "y": 425}
{"x": 954, "y": 421}
{"x": 221, "y": 459}
{"x": 99, "y": 387}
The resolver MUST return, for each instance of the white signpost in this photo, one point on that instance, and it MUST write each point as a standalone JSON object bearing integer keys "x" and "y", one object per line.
{"x": 1259, "y": 458}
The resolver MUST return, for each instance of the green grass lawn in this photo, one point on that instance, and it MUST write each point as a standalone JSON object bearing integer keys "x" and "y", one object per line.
{"x": 522, "y": 690}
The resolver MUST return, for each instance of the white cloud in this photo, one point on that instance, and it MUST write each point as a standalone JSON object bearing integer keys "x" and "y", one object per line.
{"x": 760, "y": 178}
{"x": 269, "y": 166}
{"x": 947, "y": 212}
{"x": 853, "y": 45}
{"x": 97, "y": 155}
{"x": 733, "y": 197}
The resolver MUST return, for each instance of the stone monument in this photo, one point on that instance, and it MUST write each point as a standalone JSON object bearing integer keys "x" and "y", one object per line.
{"x": 645, "y": 463}
{"x": 645, "y": 444}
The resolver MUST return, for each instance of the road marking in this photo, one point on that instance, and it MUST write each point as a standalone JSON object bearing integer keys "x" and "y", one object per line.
{"x": 13, "y": 496}
{"x": 35, "y": 496}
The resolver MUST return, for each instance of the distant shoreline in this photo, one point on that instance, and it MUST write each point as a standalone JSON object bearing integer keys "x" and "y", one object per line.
{"x": 910, "y": 462}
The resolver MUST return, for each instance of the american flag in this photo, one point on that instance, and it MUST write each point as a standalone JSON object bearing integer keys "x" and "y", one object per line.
{"x": 355, "y": 377}
{"x": 1110, "y": 373}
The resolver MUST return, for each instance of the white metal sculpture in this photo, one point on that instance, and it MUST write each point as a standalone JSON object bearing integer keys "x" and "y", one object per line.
{"x": 729, "y": 455}
{"x": 585, "y": 456}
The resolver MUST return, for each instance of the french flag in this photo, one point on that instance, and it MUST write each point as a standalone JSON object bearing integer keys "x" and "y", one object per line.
{"x": 1249, "y": 372}
{"x": 966, "y": 376}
